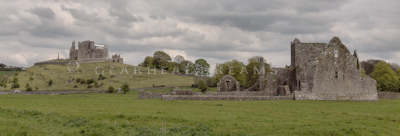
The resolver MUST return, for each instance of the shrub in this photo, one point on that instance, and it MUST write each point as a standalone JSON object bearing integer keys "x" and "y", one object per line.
{"x": 75, "y": 86}
{"x": 89, "y": 86}
{"x": 78, "y": 80}
{"x": 96, "y": 84}
{"x": 125, "y": 88}
{"x": 101, "y": 77}
{"x": 83, "y": 81}
{"x": 89, "y": 81}
{"x": 15, "y": 85}
{"x": 29, "y": 89}
{"x": 50, "y": 82}
{"x": 31, "y": 78}
{"x": 15, "y": 73}
{"x": 15, "y": 80}
{"x": 202, "y": 86}
{"x": 36, "y": 88}
{"x": 110, "y": 89}
{"x": 27, "y": 85}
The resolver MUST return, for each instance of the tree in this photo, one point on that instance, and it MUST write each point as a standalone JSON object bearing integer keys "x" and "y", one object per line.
{"x": 368, "y": 65}
{"x": 202, "y": 86}
{"x": 233, "y": 68}
{"x": 201, "y": 67}
{"x": 385, "y": 77}
{"x": 187, "y": 67}
{"x": 161, "y": 59}
{"x": 252, "y": 67}
{"x": 363, "y": 72}
{"x": 29, "y": 89}
{"x": 110, "y": 89}
{"x": 394, "y": 66}
{"x": 125, "y": 88}
{"x": 50, "y": 82}
{"x": 148, "y": 62}
{"x": 179, "y": 59}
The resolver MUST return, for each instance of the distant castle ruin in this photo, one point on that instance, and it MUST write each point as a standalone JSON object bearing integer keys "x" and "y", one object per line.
{"x": 89, "y": 50}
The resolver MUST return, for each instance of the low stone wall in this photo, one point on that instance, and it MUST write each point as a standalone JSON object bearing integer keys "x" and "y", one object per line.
{"x": 302, "y": 95}
{"x": 48, "y": 92}
{"x": 223, "y": 97}
{"x": 388, "y": 95}
{"x": 240, "y": 93}
{"x": 150, "y": 95}
{"x": 55, "y": 62}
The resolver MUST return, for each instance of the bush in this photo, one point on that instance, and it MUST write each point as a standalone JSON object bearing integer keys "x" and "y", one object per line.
{"x": 89, "y": 86}
{"x": 15, "y": 80}
{"x": 75, "y": 86}
{"x": 50, "y": 82}
{"x": 15, "y": 73}
{"x": 125, "y": 88}
{"x": 29, "y": 89}
{"x": 27, "y": 85}
{"x": 36, "y": 88}
{"x": 89, "y": 81}
{"x": 78, "y": 80}
{"x": 96, "y": 84}
{"x": 15, "y": 85}
{"x": 31, "y": 78}
{"x": 101, "y": 77}
{"x": 83, "y": 81}
{"x": 202, "y": 86}
{"x": 110, "y": 89}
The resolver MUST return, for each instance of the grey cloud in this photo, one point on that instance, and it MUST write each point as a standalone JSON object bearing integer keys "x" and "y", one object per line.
{"x": 82, "y": 15}
{"x": 44, "y": 12}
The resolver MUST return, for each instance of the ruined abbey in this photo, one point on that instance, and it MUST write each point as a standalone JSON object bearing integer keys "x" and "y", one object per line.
{"x": 318, "y": 71}
{"x": 88, "y": 50}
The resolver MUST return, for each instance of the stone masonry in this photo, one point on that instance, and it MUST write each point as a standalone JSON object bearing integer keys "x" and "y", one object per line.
{"x": 228, "y": 83}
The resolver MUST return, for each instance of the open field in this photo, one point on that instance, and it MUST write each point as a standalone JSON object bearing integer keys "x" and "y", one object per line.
{"x": 118, "y": 114}
{"x": 9, "y": 73}
{"x": 115, "y": 77}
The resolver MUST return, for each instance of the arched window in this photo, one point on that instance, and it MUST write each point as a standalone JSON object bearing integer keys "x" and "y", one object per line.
{"x": 336, "y": 74}
{"x": 336, "y": 52}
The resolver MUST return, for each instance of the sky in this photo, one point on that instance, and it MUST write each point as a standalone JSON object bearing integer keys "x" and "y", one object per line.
{"x": 217, "y": 31}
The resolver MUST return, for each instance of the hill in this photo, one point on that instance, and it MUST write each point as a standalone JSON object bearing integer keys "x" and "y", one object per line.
{"x": 115, "y": 75}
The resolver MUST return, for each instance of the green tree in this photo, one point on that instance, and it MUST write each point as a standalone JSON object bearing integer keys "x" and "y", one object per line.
{"x": 385, "y": 77}
{"x": 253, "y": 69}
{"x": 15, "y": 80}
{"x": 148, "y": 62}
{"x": 125, "y": 88}
{"x": 29, "y": 89}
{"x": 234, "y": 68}
{"x": 187, "y": 67}
{"x": 179, "y": 59}
{"x": 50, "y": 82}
{"x": 15, "y": 73}
{"x": 363, "y": 72}
{"x": 110, "y": 89}
{"x": 161, "y": 59}
{"x": 83, "y": 81}
{"x": 202, "y": 86}
{"x": 201, "y": 67}
{"x": 31, "y": 78}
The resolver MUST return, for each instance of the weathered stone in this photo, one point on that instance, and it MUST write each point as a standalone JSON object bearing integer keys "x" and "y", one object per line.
{"x": 228, "y": 83}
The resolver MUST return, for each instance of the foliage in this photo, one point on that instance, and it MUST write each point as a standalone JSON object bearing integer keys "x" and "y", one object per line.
{"x": 36, "y": 88}
{"x": 161, "y": 59}
{"x": 75, "y": 86}
{"x": 83, "y": 81}
{"x": 15, "y": 73}
{"x": 201, "y": 67}
{"x": 202, "y": 86}
{"x": 15, "y": 85}
{"x": 31, "y": 78}
{"x": 363, "y": 72}
{"x": 89, "y": 81}
{"x": 368, "y": 65}
{"x": 27, "y": 85}
{"x": 78, "y": 80}
{"x": 179, "y": 59}
{"x": 29, "y": 89}
{"x": 50, "y": 82}
{"x": 15, "y": 80}
{"x": 89, "y": 86}
{"x": 96, "y": 84}
{"x": 101, "y": 77}
{"x": 148, "y": 62}
{"x": 187, "y": 67}
{"x": 385, "y": 77}
{"x": 125, "y": 88}
{"x": 234, "y": 68}
{"x": 110, "y": 89}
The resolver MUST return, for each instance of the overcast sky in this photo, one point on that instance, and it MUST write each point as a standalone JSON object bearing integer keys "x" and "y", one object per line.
{"x": 218, "y": 31}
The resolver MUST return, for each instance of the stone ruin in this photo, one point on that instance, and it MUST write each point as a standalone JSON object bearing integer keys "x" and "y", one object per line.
{"x": 318, "y": 71}
{"x": 227, "y": 84}
{"x": 89, "y": 50}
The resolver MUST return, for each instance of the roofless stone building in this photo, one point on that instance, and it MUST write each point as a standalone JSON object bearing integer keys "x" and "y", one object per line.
{"x": 89, "y": 50}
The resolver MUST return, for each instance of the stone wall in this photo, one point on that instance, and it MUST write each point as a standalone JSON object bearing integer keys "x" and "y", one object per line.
{"x": 239, "y": 93}
{"x": 223, "y": 97}
{"x": 305, "y": 95}
{"x": 150, "y": 95}
{"x": 388, "y": 95}
{"x": 228, "y": 83}
{"x": 56, "y": 62}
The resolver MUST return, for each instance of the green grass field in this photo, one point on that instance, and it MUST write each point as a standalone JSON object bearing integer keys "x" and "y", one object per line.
{"x": 118, "y": 114}
{"x": 9, "y": 73}
{"x": 115, "y": 77}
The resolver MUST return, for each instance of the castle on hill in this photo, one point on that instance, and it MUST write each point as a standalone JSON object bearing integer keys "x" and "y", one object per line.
{"x": 89, "y": 50}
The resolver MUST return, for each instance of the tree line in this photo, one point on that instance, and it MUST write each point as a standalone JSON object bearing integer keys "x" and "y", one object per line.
{"x": 387, "y": 75}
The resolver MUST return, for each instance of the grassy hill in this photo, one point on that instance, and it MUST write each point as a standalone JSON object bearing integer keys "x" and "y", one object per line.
{"x": 115, "y": 74}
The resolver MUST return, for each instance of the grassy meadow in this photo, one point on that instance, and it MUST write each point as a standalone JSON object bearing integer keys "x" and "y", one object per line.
{"x": 119, "y": 114}
{"x": 115, "y": 73}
